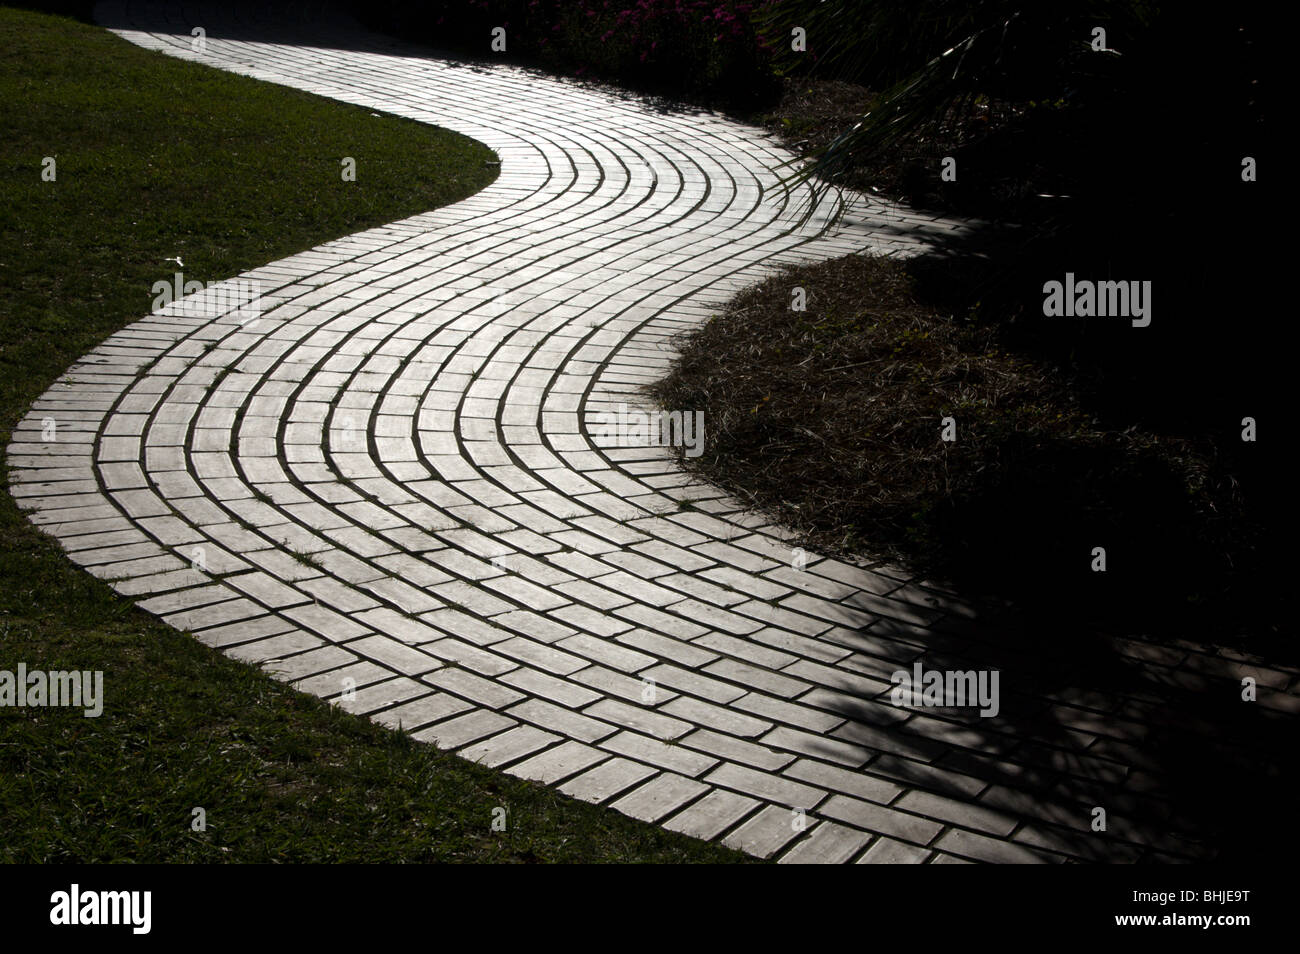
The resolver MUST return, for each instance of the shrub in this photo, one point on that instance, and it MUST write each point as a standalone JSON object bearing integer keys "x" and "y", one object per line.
{"x": 699, "y": 48}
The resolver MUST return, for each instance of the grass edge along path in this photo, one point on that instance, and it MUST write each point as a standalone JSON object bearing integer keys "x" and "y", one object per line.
{"x": 157, "y": 158}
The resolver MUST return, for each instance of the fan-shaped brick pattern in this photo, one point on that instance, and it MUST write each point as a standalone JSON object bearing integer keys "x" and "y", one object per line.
{"x": 388, "y": 488}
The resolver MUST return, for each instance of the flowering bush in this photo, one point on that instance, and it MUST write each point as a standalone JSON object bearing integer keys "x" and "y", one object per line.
{"x": 693, "y": 47}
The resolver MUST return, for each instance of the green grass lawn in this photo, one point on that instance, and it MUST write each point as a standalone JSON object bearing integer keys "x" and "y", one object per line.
{"x": 157, "y": 158}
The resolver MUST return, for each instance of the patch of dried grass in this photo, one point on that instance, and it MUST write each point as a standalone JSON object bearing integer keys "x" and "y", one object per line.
{"x": 830, "y": 419}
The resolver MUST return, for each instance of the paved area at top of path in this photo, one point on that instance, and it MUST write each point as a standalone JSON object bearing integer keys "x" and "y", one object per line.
{"x": 387, "y": 489}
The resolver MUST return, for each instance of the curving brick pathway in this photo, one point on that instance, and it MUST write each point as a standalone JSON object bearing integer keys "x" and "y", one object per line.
{"x": 391, "y": 481}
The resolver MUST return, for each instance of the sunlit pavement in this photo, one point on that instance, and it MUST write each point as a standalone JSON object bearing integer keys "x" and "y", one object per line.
{"x": 387, "y": 481}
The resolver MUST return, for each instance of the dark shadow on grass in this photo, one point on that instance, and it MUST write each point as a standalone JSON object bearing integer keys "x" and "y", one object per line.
{"x": 1210, "y": 358}
{"x": 1062, "y": 524}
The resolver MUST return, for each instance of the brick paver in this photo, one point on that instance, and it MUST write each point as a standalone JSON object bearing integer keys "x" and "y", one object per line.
{"x": 394, "y": 475}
